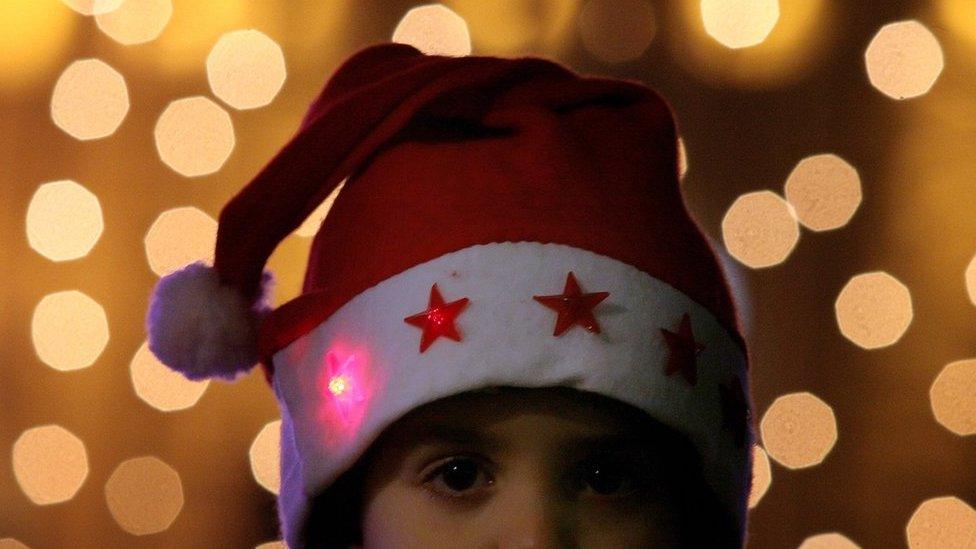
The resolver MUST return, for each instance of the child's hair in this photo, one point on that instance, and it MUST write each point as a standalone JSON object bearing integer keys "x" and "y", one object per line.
{"x": 334, "y": 517}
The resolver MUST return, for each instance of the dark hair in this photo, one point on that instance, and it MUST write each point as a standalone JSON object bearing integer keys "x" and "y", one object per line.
{"x": 334, "y": 517}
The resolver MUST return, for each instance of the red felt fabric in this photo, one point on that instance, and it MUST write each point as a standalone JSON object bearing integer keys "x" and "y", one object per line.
{"x": 443, "y": 153}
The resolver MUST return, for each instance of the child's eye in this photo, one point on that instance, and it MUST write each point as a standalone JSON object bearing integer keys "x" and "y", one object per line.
{"x": 457, "y": 474}
{"x": 610, "y": 478}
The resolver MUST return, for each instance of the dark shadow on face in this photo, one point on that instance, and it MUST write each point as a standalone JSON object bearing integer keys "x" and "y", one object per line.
{"x": 543, "y": 467}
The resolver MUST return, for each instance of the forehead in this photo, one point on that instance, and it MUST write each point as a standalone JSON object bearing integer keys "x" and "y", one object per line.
{"x": 541, "y": 414}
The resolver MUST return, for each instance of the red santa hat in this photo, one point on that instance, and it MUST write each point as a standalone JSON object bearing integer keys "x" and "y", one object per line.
{"x": 502, "y": 222}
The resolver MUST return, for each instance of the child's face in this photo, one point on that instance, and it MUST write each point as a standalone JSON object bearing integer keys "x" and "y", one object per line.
{"x": 528, "y": 469}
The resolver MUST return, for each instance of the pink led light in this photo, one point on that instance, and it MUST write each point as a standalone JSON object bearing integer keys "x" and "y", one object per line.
{"x": 345, "y": 386}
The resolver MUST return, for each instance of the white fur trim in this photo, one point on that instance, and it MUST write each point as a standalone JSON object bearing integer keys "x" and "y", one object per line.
{"x": 507, "y": 339}
{"x": 204, "y": 329}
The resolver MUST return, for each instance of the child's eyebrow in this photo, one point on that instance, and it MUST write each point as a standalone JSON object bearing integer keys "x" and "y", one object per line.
{"x": 442, "y": 434}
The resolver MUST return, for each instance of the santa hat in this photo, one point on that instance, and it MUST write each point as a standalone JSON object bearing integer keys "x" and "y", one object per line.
{"x": 502, "y": 222}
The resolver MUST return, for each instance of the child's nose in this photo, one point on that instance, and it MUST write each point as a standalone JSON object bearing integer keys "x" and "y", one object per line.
{"x": 535, "y": 517}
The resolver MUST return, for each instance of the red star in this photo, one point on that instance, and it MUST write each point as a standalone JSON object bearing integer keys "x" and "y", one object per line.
{"x": 683, "y": 350}
{"x": 573, "y": 306}
{"x": 438, "y": 319}
{"x": 735, "y": 410}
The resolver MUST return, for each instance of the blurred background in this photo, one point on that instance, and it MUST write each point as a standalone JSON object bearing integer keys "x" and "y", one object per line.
{"x": 827, "y": 148}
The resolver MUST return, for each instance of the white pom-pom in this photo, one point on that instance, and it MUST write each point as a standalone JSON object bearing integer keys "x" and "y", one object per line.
{"x": 202, "y": 328}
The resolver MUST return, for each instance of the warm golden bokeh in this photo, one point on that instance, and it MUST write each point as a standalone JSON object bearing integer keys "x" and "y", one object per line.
{"x": 161, "y": 387}
{"x": 904, "y": 60}
{"x": 945, "y": 522}
{"x": 824, "y": 190}
{"x": 873, "y": 310}
{"x": 311, "y": 225}
{"x": 806, "y": 85}
{"x": 144, "y": 495}
{"x": 34, "y": 36}
{"x": 739, "y": 23}
{"x": 804, "y": 32}
{"x": 90, "y": 100}
{"x": 196, "y": 26}
{"x": 829, "y": 540}
{"x": 616, "y": 31}
{"x": 517, "y": 27}
{"x": 435, "y": 30}
{"x": 179, "y": 237}
{"x": 93, "y": 7}
{"x": 265, "y": 457}
{"x": 194, "y": 136}
{"x": 246, "y": 69}
{"x": 136, "y": 21}
{"x": 64, "y": 220}
{"x": 762, "y": 475}
{"x": 960, "y": 17}
{"x": 798, "y": 430}
{"x": 970, "y": 278}
{"x": 760, "y": 229}
{"x": 953, "y": 397}
{"x": 69, "y": 330}
{"x": 50, "y": 464}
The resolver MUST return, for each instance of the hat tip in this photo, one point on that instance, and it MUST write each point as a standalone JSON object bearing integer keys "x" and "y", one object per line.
{"x": 202, "y": 328}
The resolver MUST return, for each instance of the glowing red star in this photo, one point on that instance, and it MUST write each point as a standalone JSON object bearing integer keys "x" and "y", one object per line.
{"x": 438, "y": 319}
{"x": 735, "y": 410}
{"x": 683, "y": 350}
{"x": 573, "y": 306}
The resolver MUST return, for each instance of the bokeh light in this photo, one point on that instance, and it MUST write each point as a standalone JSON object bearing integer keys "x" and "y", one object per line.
{"x": 194, "y": 136}
{"x": 179, "y": 237}
{"x": 34, "y": 37}
{"x": 144, "y": 495}
{"x": 798, "y": 430}
{"x": 873, "y": 310}
{"x": 804, "y": 33}
{"x": 11, "y": 543}
{"x": 435, "y": 30}
{"x": 265, "y": 457}
{"x": 193, "y": 30}
{"x": 942, "y": 522}
{"x": 824, "y": 190}
{"x": 246, "y": 69}
{"x": 829, "y": 540}
{"x": 739, "y": 23}
{"x": 64, "y": 220}
{"x": 161, "y": 387}
{"x": 904, "y": 60}
{"x": 50, "y": 464}
{"x": 136, "y": 21}
{"x": 93, "y": 7}
{"x": 90, "y": 100}
{"x": 311, "y": 225}
{"x": 959, "y": 16}
{"x": 69, "y": 330}
{"x": 970, "y": 277}
{"x": 616, "y": 31}
{"x": 762, "y": 475}
{"x": 760, "y": 229}
{"x": 953, "y": 397}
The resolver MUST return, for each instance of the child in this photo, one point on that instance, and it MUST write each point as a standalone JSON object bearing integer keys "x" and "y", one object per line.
{"x": 511, "y": 332}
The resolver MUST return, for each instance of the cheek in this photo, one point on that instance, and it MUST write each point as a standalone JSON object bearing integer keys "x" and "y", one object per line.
{"x": 654, "y": 523}
{"x": 397, "y": 518}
